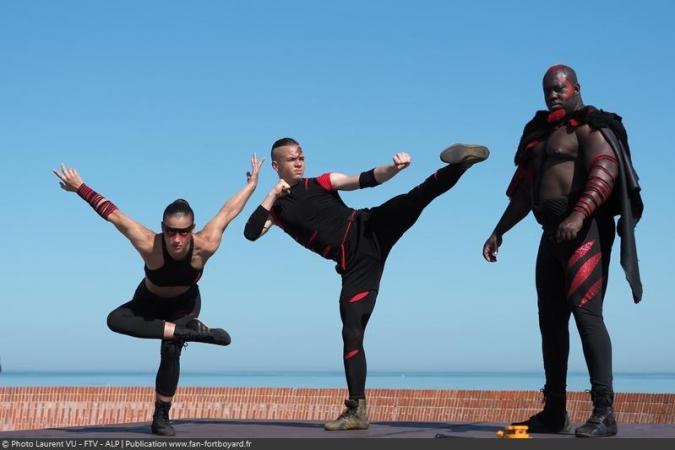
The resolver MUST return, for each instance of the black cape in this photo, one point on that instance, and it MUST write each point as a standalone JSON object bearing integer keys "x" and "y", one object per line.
{"x": 625, "y": 200}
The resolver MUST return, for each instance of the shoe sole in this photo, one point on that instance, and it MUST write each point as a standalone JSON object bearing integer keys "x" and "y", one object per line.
{"x": 166, "y": 434}
{"x": 566, "y": 428}
{"x": 459, "y": 153}
{"x": 345, "y": 428}
{"x": 610, "y": 432}
{"x": 595, "y": 435}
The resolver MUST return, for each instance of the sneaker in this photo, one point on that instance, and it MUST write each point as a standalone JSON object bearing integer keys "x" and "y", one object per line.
{"x": 196, "y": 331}
{"x": 465, "y": 154}
{"x": 352, "y": 418}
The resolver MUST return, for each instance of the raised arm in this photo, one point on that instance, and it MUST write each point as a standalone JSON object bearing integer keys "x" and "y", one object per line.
{"x": 213, "y": 231}
{"x": 140, "y": 237}
{"x": 602, "y": 169}
{"x": 517, "y": 209}
{"x": 261, "y": 219}
{"x": 372, "y": 177}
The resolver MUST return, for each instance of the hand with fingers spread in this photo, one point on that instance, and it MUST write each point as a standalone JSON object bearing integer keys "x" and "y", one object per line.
{"x": 212, "y": 233}
{"x": 252, "y": 176}
{"x": 69, "y": 179}
{"x": 402, "y": 160}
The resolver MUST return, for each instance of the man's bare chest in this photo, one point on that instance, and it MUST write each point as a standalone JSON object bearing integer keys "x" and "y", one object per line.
{"x": 561, "y": 145}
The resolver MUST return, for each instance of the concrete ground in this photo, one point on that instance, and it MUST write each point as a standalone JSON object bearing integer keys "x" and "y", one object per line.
{"x": 256, "y": 429}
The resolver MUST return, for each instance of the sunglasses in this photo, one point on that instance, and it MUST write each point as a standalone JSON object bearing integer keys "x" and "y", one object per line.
{"x": 171, "y": 231}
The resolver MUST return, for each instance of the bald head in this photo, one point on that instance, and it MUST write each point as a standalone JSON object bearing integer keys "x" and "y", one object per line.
{"x": 561, "y": 89}
{"x": 563, "y": 70}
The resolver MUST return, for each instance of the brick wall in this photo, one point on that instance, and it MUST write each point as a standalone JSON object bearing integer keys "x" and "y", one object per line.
{"x": 27, "y": 408}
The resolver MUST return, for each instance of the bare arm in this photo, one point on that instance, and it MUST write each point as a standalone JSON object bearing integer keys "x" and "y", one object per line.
{"x": 213, "y": 231}
{"x": 343, "y": 182}
{"x": 140, "y": 237}
{"x": 517, "y": 209}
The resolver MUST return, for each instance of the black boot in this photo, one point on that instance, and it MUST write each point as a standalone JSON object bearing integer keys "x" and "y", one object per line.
{"x": 602, "y": 422}
{"x": 160, "y": 419}
{"x": 196, "y": 331}
{"x": 553, "y": 419}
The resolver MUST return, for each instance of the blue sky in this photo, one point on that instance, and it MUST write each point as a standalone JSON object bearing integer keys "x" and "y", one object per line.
{"x": 153, "y": 101}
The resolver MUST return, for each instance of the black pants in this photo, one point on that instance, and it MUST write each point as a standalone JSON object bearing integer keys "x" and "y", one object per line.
{"x": 571, "y": 280}
{"x": 375, "y": 233}
{"x": 144, "y": 317}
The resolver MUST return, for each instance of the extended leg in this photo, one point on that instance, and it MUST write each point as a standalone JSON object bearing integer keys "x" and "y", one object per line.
{"x": 393, "y": 218}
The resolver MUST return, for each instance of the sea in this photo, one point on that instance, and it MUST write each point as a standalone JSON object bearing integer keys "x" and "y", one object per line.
{"x": 577, "y": 381}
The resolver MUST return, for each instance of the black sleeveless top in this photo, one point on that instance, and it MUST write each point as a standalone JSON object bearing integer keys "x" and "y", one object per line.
{"x": 173, "y": 272}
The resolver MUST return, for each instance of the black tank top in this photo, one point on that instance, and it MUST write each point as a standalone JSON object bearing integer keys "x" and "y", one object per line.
{"x": 315, "y": 216}
{"x": 173, "y": 272}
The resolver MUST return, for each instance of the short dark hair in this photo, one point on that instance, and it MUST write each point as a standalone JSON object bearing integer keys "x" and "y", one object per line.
{"x": 281, "y": 143}
{"x": 178, "y": 206}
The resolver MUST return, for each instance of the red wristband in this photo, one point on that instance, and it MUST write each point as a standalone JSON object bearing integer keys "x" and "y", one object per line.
{"x": 103, "y": 209}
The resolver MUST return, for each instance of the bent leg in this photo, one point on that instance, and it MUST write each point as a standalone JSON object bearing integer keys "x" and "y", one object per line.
{"x": 147, "y": 316}
{"x": 132, "y": 319}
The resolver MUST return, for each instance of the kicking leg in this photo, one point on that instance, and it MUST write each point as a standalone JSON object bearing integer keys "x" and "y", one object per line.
{"x": 393, "y": 218}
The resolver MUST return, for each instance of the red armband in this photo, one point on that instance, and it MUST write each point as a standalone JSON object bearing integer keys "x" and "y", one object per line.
{"x": 599, "y": 184}
{"x": 102, "y": 208}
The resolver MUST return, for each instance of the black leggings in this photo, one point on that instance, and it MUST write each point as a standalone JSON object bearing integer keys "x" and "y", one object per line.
{"x": 144, "y": 317}
{"x": 571, "y": 280}
{"x": 376, "y": 231}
